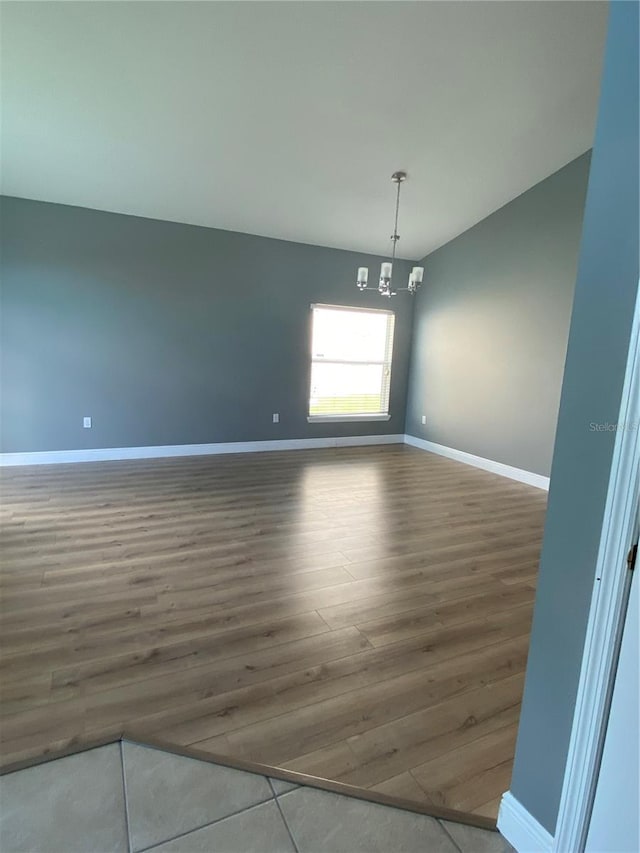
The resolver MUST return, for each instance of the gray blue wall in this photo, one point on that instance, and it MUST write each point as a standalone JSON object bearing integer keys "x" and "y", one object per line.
{"x": 166, "y": 333}
{"x": 491, "y": 325}
{"x": 606, "y": 291}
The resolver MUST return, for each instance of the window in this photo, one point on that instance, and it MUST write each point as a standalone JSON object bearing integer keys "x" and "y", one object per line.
{"x": 350, "y": 363}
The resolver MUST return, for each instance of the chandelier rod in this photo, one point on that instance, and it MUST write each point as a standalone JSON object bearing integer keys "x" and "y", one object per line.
{"x": 395, "y": 237}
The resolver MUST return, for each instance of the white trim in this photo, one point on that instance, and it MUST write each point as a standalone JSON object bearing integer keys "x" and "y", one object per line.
{"x": 106, "y": 454}
{"x": 509, "y": 471}
{"x": 521, "y": 829}
{"x": 361, "y": 308}
{"x": 605, "y": 616}
{"x": 329, "y": 419}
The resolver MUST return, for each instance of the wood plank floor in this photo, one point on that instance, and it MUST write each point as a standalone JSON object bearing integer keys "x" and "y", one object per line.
{"x": 359, "y": 614}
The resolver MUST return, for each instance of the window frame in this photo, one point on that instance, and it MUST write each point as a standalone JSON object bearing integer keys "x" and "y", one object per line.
{"x": 363, "y": 417}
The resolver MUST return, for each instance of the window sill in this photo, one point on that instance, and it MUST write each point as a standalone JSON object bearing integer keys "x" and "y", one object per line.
{"x": 329, "y": 419}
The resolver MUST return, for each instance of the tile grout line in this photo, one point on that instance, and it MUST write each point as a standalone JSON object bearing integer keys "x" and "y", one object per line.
{"x": 202, "y": 826}
{"x": 449, "y": 836}
{"x": 126, "y": 798}
{"x": 284, "y": 820}
{"x": 317, "y": 611}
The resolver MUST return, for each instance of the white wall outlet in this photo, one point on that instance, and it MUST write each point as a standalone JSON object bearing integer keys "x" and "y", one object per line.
{"x": 276, "y": 418}
{"x": 86, "y": 422}
{"x": 424, "y": 420}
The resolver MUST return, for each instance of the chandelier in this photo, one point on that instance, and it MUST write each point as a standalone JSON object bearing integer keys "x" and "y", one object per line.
{"x": 385, "y": 285}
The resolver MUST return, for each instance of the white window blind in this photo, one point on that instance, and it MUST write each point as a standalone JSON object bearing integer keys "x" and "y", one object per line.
{"x": 350, "y": 362}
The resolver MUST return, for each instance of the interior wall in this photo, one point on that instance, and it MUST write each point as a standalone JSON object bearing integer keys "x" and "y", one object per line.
{"x": 491, "y": 325}
{"x": 606, "y": 292}
{"x": 166, "y": 333}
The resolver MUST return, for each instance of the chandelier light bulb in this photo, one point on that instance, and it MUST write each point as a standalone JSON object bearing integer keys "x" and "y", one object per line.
{"x": 363, "y": 277}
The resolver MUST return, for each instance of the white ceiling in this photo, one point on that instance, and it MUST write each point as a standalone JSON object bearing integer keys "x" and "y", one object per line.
{"x": 287, "y": 119}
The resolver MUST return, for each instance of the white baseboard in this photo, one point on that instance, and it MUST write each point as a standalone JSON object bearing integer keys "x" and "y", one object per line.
{"x": 519, "y": 474}
{"x": 521, "y": 829}
{"x": 107, "y": 454}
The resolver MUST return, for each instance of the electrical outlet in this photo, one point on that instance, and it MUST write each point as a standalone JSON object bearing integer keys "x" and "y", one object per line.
{"x": 424, "y": 420}
{"x": 276, "y": 418}
{"x": 86, "y": 422}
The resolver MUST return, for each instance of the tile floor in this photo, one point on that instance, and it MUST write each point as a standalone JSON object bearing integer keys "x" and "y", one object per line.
{"x": 128, "y": 797}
